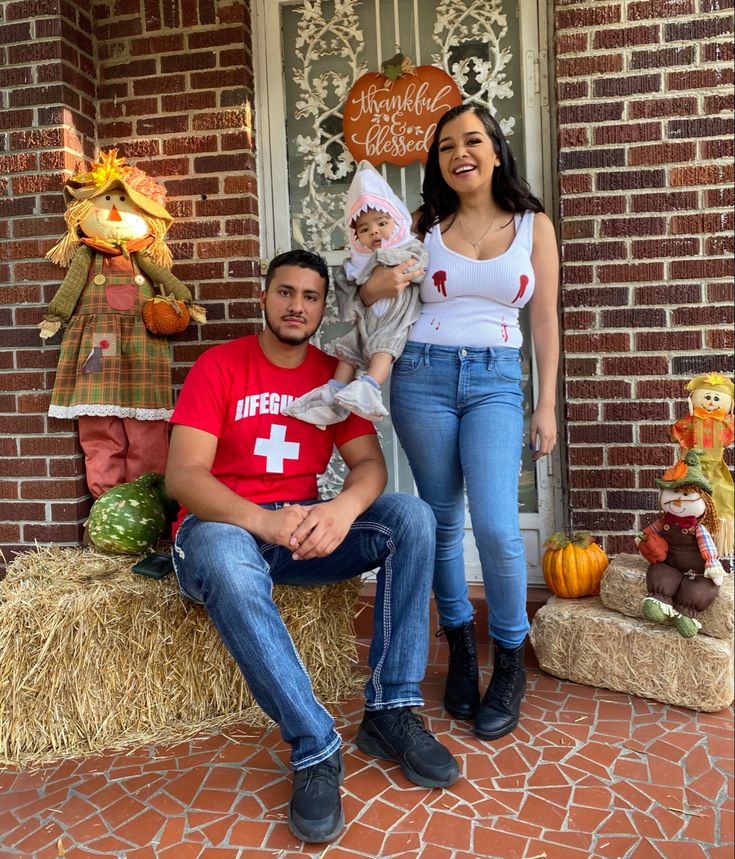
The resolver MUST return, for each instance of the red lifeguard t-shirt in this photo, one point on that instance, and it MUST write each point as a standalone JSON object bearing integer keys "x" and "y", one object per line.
{"x": 235, "y": 393}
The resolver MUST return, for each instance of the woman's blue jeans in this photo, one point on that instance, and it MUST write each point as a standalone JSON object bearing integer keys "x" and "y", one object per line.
{"x": 458, "y": 413}
{"x": 232, "y": 573}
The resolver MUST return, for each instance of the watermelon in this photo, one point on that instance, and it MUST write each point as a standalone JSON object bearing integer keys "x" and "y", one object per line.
{"x": 128, "y": 518}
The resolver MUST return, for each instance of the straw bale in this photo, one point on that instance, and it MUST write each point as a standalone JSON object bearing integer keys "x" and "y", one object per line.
{"x": 94, "y": 657}
{"x": 582, "y": 641}
{"x": 623, "y": 587}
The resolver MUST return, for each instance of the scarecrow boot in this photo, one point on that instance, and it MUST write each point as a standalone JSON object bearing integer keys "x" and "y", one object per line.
{"x": 500, "y": 709}
{"x": 462, "y": 693}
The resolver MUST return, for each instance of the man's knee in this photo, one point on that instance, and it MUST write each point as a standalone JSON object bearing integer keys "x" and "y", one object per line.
{"x": 403, "y": 510}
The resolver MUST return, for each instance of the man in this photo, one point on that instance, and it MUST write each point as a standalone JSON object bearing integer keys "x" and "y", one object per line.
{"x": 246, "y": 476}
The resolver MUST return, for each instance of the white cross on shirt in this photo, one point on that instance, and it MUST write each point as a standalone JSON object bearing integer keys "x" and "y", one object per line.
{"x": 276, "y": 449}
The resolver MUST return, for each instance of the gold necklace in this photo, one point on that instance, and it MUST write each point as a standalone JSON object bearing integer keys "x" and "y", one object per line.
{"x": 476, "y": 245}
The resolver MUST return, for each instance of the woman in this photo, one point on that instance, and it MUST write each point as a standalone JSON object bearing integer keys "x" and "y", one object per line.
{"x": 456, "y": 399}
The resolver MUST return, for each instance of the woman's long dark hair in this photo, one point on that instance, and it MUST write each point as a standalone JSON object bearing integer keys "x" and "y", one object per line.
{"x": 509, "y": 189}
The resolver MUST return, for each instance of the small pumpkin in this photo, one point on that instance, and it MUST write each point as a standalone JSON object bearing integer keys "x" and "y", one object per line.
{"x": 163, "y": 314}
{"x": 573, "y": 564}
{"x": 391, "y": 115}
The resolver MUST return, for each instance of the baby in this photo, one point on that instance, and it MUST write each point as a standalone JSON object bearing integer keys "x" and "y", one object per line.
{"x": 379, "y": 227}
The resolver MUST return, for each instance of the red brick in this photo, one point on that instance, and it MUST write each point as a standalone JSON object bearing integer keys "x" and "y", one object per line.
{"x": 621, "y": 227}
{"x": 218, "y": 78}
{"x": 703, "y": 316}
{"x": 577, "y": 230}
{"x": 667, "y": 341}
{"x": 640, "y": 455}
{"x": 155, "y": 45}
{"x": 663, "y": 107}
{"x": 698, "y": 29}
{"x": 578, "y": 320}
{"x": 700, "y": 269}
{"x": 626, "y": 37}
{"x": 681, "y": 55}
{"x": 576, "y": 159}
{"x": 159, "y": 84}
{"x": 571, "y": 43}
{"x": 580, "y": 114}
{"x": 597, "y": 342}
{"x": 595, "y": 297}
{"x": 602, "y": 204}
{"x": 627, "y": 133}
{"x": 18, "y": 511}
{"x": 717, "y": 53}
{"x": 662, "y": 294}
{"x": 629, "y": 366}
{"x": 601, "y": 433}
{"x": 657, "y": 248}
{"x": 720, "y": 339}
{"x": 639, "y": 410}
{"x": 711, "y": 149}
{"x": 703, "y": 223}
{"x": 620, "y": 87}
{"x": 585, "y": 455}
{"x": 585, "y": 500}
{"x": 620, "y": 180}
{"x": 719, "y": 246}
{"x": 666, "y": 201}
{"x": 598, "y": 15}
{"x": 700, "y": 79}
{"x": 633, "y": 317}
{"x": 591, "y": 251}
{"x": 645, "y": 9}
{"x": 138, "y": 68}
{"x": 633, "y": 272}
{"x": 632, "y": 500}
{"x": 662, "y": 153}
{"x": 720, "y": 292}
{"x": 573, "y": 137}
{"x": 51, "y": 533}
{"x": 598, "y": 389}
{"x": 569, "y": 90}
{"x": 714, "y": 198}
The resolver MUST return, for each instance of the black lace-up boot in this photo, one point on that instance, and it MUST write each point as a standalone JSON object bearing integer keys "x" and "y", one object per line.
{"x": 462, "y": 692}
{"x": 501, "y": 705}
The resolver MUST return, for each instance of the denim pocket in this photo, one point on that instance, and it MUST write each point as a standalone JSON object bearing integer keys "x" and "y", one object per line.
{"x": 508, "y": 368}
{"x": 406, "y": 364}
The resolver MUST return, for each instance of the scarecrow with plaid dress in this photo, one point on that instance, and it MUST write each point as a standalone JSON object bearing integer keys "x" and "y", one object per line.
{"x": 113, "y": 375}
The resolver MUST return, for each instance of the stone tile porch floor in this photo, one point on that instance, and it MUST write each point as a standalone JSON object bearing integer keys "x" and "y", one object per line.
{"x": 588, "y": 773}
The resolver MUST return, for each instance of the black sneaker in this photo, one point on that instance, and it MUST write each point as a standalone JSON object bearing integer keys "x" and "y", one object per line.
{"x": 399, "y": 735}
{"x": 315, "y": 811}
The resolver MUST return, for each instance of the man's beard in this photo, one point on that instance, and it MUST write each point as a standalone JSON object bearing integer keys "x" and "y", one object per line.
{"x": 289, "y": 340}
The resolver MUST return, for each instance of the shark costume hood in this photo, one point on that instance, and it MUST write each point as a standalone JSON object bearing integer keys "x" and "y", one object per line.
{"x": 370, "y": 191}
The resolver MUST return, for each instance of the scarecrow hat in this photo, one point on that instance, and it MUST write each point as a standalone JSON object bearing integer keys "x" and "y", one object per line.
{"x": 686, "y": 472}
{"x": 713, "y": 382}
{"x": 110, "y": 172}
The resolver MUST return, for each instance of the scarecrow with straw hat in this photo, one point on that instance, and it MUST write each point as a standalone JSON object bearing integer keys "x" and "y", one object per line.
{"x": 685, "y": 573}
{"x": 113, "y": 374}
{"x": 709, "y": 427}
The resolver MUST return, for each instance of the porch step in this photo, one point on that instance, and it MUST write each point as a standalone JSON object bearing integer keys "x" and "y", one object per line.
{"x": 536, "y": 597}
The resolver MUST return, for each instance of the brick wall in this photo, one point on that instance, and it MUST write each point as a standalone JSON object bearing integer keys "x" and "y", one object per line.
{"x": 172, "y": 85}
{"x": 645, "y": 136}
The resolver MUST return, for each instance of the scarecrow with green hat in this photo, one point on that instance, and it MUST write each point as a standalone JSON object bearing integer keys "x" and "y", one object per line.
{"x": 113, "y": 375}
{"x": 685, "y": 572}
{"x": 710, "y": 426}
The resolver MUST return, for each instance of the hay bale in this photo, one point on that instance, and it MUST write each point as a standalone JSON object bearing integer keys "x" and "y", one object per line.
{"x": 582, "y": 641}
{"x": 623, "y": 587}
{"x": 94, "y": 657}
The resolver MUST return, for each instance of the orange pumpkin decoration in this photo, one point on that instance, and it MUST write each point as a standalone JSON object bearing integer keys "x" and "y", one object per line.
{"x": 391, "y": 115}
{"x": 573, "y": 565}
{"x": 164, "y": 315}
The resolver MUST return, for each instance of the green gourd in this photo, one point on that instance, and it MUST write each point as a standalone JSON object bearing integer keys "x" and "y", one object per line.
{"x": 128, "y": 518}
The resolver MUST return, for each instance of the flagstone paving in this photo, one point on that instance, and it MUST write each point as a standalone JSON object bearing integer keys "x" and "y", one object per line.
{"x": 588, "y": 773}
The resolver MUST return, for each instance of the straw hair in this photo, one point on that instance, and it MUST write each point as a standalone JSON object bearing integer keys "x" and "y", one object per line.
{"x": 62, "y": 252}
{"x": 159, "y": 251}
{"x": 95, "y": 657}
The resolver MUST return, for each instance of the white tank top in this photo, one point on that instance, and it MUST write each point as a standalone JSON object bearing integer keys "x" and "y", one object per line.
{"x": 470, "y": 302}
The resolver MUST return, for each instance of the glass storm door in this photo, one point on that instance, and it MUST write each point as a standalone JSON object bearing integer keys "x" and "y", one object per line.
{"x": 307, "y": 56}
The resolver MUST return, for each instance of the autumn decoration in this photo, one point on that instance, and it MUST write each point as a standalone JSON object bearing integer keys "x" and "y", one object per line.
{"x": 391, "y": 115}
{"x": 573, "y": 564}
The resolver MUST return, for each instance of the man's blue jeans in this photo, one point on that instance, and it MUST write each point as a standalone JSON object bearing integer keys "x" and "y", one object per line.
{"x": 458, "y": 413}
{"x": 232, "y": 573}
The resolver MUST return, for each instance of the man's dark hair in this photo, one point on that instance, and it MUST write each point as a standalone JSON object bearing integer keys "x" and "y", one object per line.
{"x": 302, "y": 259}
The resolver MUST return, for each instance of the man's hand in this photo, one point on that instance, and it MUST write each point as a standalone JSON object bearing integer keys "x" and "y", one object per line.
{"x": 277, "y": 526}
{"x": 323, "y": 528}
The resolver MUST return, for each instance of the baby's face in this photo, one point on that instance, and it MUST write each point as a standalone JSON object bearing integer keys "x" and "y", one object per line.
{"x": 373, "y": 228}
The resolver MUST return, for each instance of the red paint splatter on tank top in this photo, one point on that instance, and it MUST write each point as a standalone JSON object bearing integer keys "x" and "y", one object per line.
{"x": 440, "y": 282}
{"x": 521, "y": 288}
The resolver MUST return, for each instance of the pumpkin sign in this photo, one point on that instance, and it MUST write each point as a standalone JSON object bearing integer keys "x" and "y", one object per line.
{"x": 573, "y": 565}
{"x": 391, "y": 115}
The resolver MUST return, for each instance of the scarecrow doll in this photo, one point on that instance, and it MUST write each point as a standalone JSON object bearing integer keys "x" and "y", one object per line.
{"x": 685, "y": 573}
{"x": 114, "y": 374}
{"x": 709, "y": 426}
